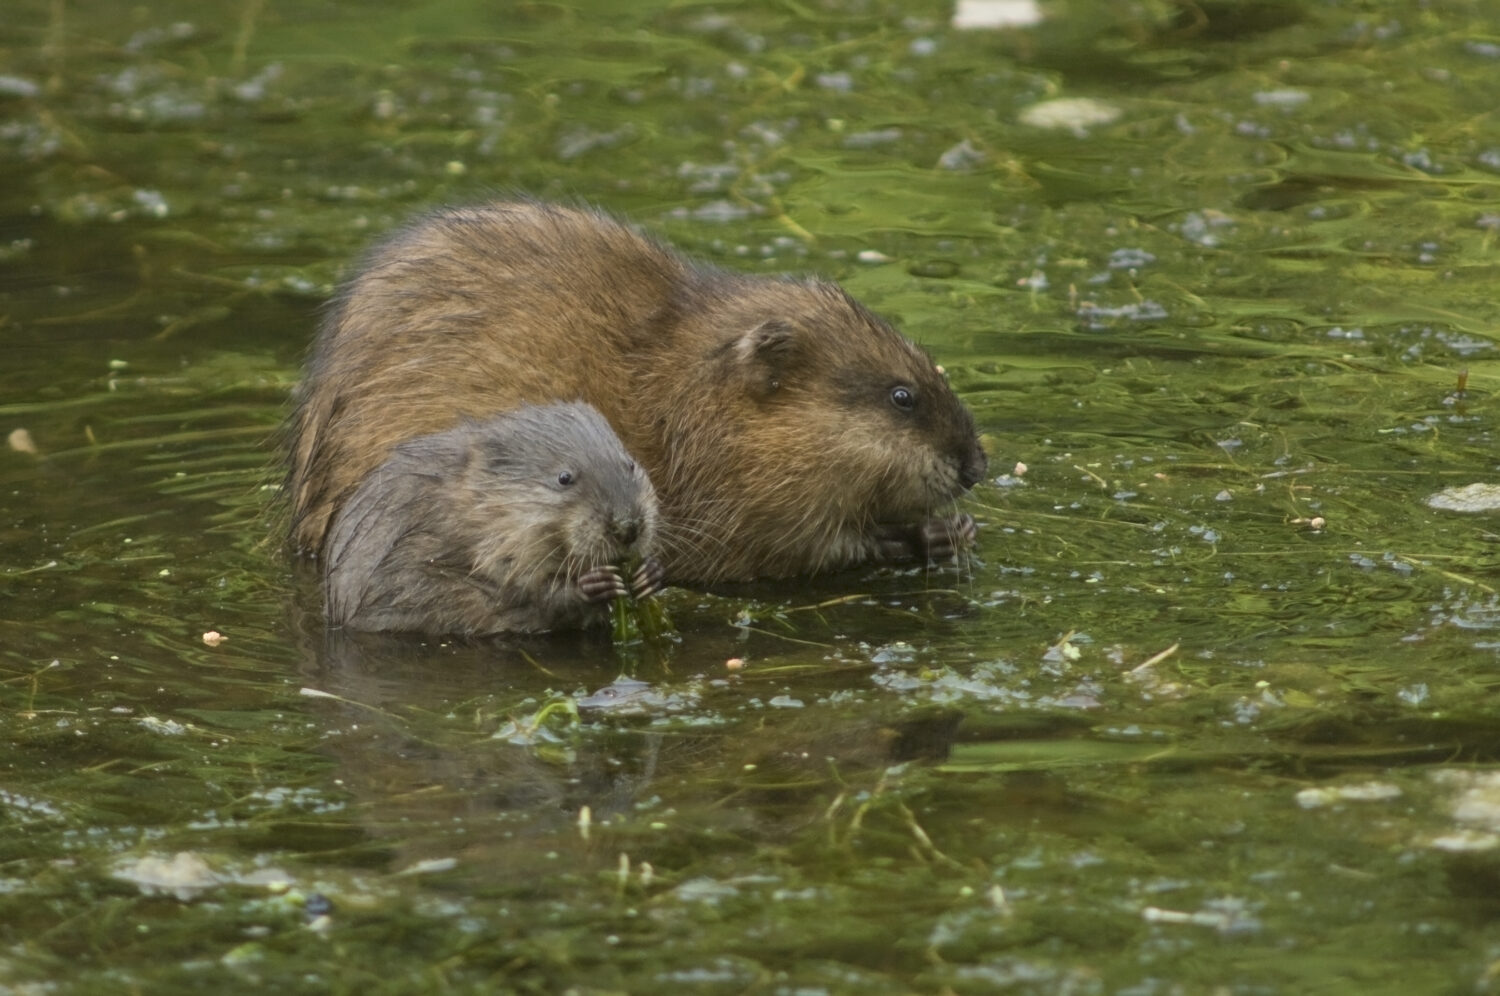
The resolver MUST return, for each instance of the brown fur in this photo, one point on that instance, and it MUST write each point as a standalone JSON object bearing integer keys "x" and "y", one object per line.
{"x": 762, "y": 408}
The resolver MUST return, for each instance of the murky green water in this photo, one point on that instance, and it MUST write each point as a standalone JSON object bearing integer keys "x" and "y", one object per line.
{"x": 1213, "y": 710}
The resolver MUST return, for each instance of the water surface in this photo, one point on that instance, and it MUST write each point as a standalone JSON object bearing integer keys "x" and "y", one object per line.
{"x": 1211, "y": 709}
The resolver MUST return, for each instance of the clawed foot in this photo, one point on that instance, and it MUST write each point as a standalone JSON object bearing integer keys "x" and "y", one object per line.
{"x": 943, "y": 539}
{"x": 648, "y": 578}
{"x": 602, "y": 584}
{"x": 935, "y": 539}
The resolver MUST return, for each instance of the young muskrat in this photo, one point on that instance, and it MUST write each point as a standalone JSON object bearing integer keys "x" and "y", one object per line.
{"x": 512, "y": 524}
{"x": 786, "y": 429}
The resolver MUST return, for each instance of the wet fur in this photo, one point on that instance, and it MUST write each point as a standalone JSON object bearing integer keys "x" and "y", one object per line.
{"x": 468, "y": 531}
{"x": 760, "y": 407}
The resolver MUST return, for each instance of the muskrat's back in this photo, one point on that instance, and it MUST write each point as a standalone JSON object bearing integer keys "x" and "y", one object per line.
{"x": 435, "y": 328}
{"x": 785, "y": 428}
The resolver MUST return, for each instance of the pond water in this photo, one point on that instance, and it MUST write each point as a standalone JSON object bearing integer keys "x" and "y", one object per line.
{"x": 1212, "y": 709}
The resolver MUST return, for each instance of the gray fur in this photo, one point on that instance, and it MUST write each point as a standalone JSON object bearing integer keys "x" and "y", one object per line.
{"x": 468, "y": 531}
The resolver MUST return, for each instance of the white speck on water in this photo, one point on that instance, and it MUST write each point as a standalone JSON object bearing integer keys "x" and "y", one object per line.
{"x": 1466, "y": 840}
{"x": 15, "y": 86}
{"x": 1198, "y": 226}
{"x": 718, "y": 211}
{"x": 429, "y": 866}
{"x": 184, "y": 875}
{"x": 1413, "y": 695}
{"x": 1327, "y": 795}
{"x": 870, "y": 139}
{"x": 151, "y": 202}
{"x": 899, "y": 652}
{"x": 254, "y": 89}
{"x": 1074, "y": 114}
{"x": 964, "y": 155}
{"x": 20, "y": 441}
{"x": 705, "y": 890}
{"x": 1467, "y": 498}
{"x": 1130, "y": 259}
{"x": 1285, "y": 99}
{"x": 971, "y": 15}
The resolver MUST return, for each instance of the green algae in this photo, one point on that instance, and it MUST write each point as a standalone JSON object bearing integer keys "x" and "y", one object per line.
{"x": 1237, "y": 333}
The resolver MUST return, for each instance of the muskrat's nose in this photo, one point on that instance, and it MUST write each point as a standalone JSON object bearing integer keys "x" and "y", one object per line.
{"x": 972, "y": 471}
{"x": 626, "y": 530}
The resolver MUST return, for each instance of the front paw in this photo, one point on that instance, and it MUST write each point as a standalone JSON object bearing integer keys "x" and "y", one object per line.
{"x": 602, "y": 584}
{"x": 944, "y": 539}
{"x": 934, "y": 539}
{"x": 894, "y": 543}
{"x": 648, "y": 578}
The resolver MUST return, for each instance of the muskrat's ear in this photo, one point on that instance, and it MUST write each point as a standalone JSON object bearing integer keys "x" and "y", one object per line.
{"x": 765, "y": 354}
{"x": 496, "y": 454}
{"x": 769, "y": 345}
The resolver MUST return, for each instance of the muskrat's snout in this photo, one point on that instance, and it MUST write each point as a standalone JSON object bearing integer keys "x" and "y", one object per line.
{"x": 626, "y": 529}
{"x": 971, "y": 470}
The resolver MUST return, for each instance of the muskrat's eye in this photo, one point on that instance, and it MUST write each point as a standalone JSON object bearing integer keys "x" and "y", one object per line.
{"x": 565, "y": 478}
{"x": 903, "y": 397}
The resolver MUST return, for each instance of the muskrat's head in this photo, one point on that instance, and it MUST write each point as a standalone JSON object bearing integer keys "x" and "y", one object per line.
{"x": 552, "y": 487}
{"x": 844, "y": 421}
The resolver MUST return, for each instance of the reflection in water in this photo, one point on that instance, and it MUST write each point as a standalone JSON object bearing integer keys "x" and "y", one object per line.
{"x": 422, "y": 737}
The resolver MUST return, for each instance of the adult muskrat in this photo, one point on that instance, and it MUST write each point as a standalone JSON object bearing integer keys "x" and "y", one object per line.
{"x": 512, "y": 524}
{"x": 786, "y": 429}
